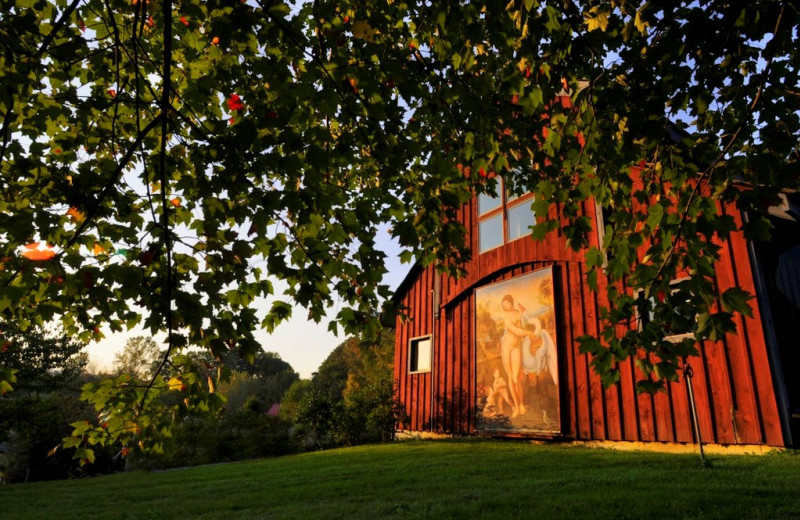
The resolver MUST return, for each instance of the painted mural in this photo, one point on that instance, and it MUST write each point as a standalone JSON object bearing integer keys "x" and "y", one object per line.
{"x": 516, "y": 361}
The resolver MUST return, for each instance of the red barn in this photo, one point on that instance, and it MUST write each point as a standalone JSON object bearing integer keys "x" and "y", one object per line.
{"x": 496, "y": 353}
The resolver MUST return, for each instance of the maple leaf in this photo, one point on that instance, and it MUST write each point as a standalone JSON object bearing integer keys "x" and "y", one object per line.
{"x": 363, "y": 30}
{"x": 235, "y": 103}
{"x": 596, "y": 19}
{"x": 76, "y": 214}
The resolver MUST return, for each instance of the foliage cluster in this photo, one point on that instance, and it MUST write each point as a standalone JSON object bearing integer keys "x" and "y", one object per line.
{"x": 350, "y": 399}
{"x": 36, "y": 416}
{"x": 237, "y": 426}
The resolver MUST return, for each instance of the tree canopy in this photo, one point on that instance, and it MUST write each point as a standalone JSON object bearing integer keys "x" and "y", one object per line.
{"x": 35, "y": 417}
{"x": 350, "y": 398}
{"x": 175, "y": 161}
{"x": 137, "y": 358}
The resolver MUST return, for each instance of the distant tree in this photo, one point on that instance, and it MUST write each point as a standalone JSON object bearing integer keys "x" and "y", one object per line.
{"x": 259, "y": 363}
{"x": 41, "y": 359}
{"x": 264, "y": 380}
{"x": 138, "y": 358}
{"x": 331, "y": 376}
{"x": 242, "y": 428}
{"x": 293, "y": 399}
{"x": 275, "y": 386}
{"x": 369, "y": 392}
{"x": 36, "y": 415}
{"x": 350, "y": 398}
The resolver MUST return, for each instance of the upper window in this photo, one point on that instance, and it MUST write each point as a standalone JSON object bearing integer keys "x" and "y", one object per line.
{"x": 503, "y": 218}
{"x": 488, "y": 202}
{"x": 490, "y": 232}
{"x": 519, "y": 219}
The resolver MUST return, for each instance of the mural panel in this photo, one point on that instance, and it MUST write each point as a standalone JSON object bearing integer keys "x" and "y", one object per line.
{"x": 516, "y": 361}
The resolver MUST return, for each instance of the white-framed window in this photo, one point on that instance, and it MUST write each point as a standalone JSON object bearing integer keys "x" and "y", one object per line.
{"x": 490, "y": 232}
{"x": 420, "y": 354}
{"x": 488, "y": 202}
{"x": 503, "y": 218}
{"x": 519, "y": 219}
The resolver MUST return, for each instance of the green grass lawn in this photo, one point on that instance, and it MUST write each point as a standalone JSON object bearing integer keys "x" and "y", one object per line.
{"x": 433, "y": 479}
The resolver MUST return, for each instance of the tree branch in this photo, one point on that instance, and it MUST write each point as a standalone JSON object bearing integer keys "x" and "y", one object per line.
{"x": 90, "y": 214}
{"x": 166, "y": 106}
{"x": 56, "y": 28}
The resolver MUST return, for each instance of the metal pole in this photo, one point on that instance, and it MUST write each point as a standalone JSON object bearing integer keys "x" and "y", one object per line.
{"x": 435, "y": 297}
{"x": 688, "y": 373}
{"x": 433, "y": 354}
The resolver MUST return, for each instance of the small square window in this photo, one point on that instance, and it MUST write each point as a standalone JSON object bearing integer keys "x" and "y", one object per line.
{"x": 520, "y": 219}
{"x": 490, "y": 233}
{"x": 419, "y": 355}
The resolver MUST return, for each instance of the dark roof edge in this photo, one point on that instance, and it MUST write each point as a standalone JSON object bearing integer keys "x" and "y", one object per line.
{"x": 415, "y": 271}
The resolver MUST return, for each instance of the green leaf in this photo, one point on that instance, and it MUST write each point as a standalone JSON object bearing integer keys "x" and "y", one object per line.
{"x": 596, "y": 19}
{"x": 594, "y": 258}
{"x": 735, "y": 300}
{"x": 655, "y": 214}
{"x": 536, "y": 97}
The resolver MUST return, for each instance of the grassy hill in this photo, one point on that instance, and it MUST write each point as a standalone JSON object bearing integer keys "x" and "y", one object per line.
{"x": 433, "y": 479}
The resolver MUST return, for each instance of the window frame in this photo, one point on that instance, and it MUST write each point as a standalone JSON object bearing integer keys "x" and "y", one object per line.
{"x": 415, "y": 342}
{"x": 484, "y": 220}
{"x": 524, "y": 199}
{"x": 507, "y": 202}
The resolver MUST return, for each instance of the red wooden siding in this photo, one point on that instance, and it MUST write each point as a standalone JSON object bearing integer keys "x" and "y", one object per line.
{"x": 732, "y": 379}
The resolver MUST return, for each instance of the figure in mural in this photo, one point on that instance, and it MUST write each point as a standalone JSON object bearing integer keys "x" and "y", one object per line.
{"x": 544, "y": 356}
{"x": 516, "y": 358}
{"x": 511, "y": 353}
{"x": 497, "y": 396}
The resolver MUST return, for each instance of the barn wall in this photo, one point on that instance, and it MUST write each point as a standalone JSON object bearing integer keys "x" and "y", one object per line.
{"x": 732, "y": 380}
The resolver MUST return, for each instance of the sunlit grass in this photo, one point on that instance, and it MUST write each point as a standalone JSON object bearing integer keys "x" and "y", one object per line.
{"x": 433, "y": 479}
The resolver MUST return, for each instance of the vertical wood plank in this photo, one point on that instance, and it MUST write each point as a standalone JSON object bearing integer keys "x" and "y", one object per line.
{"x": 743, "y": 411}
{"x": 681, "y": 412}
{"x": 719, "y": 384}
{"x": 597, "y": 396}
{"x": 582, "y": 383}
{"x": 752, "y": 331}
{"x": 702, "y": 396}
{"x": 662, "y": 411}
{"x": 468, "y": 381}
{"x": 564, "y": 318}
